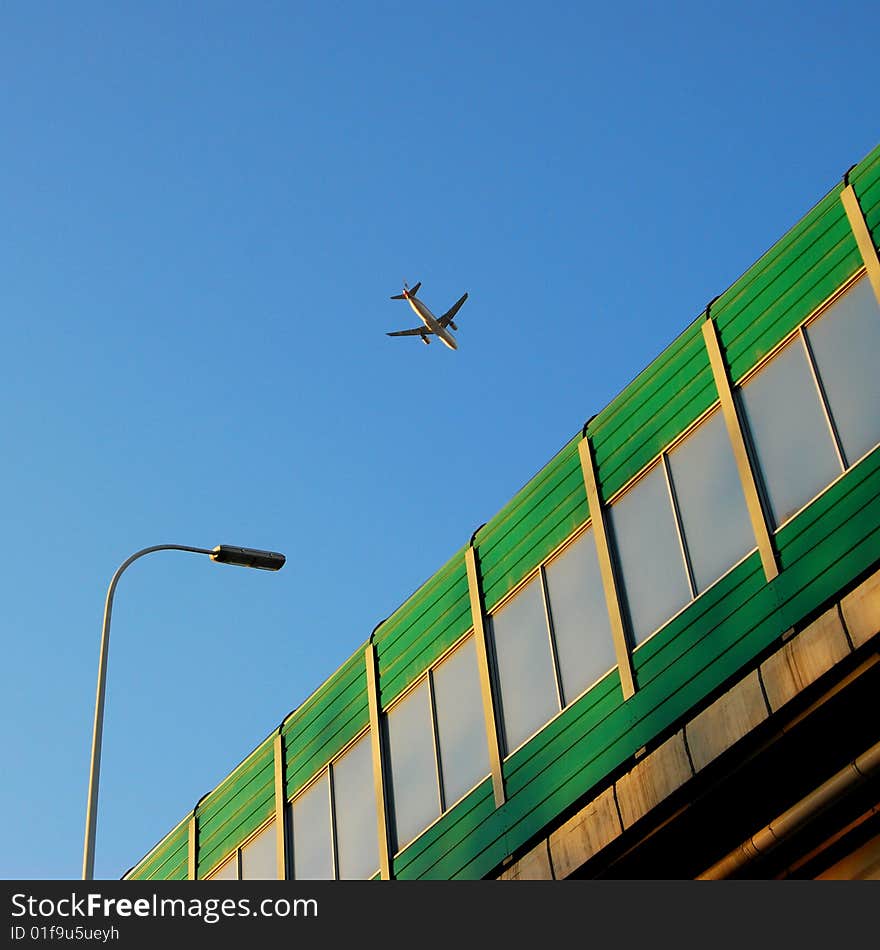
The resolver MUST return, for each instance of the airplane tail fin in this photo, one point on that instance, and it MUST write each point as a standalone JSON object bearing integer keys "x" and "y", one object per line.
{"x": 411, "y": 291}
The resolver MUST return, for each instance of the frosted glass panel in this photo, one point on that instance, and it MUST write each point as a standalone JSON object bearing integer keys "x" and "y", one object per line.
{"x": 654, "y": 578}
{"x": 227, "y": 871}
{"x": 789, "y": 431}
{"x": 461, "y": 726}
{"x": 354, "y": 798}
{"x": 525, "y": 666}
{"x": 580, "y": 617}
{"x": 846, "y": 346}
{"x": 710, "y": 500}
{"x": 259, "y": 861}
{"x": 312, "y": 843}
{"x": 415, "y": 791}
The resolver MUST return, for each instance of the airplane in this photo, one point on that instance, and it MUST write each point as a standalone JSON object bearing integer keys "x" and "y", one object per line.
{"x": 431, "y": 325}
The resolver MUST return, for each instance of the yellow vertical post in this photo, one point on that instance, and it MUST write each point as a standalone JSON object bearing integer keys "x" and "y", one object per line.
{"x": 192, "y": 871}
{"x": 482, "y": 645}
{"x": 863, "y": 236}
{"x": 757, "y": 516}
{"x": 280, "y": 809}
{"x": 606, "y": 569}
{"x": 378, "y": 763}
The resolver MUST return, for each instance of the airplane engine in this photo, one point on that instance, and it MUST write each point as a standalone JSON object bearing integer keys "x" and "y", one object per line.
{"x": 454, "y": 327}
{"x": 425, "y": 340}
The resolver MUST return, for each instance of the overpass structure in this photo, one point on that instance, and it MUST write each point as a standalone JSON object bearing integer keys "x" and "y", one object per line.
{"x": 658, "y": 660}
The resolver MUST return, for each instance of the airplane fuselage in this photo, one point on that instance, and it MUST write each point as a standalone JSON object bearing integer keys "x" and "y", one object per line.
{"x": 431, "y": 322}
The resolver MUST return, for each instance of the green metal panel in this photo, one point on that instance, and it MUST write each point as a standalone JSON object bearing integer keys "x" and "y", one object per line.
{"x": 458, "y": 834}
{"x": 467, "y": 841}
{"x": 419, "y": 631}
{"x": 831, "y": 542}
{"x": 829, "y": 514}
{"x": 589, "y": 759}
{"x": 325, "y": 723}
{"x": 552, "y": 746}
{"x": 865, "y": 179}
{"x": 168, "y": 860}
{"x": 572, "y": 755}
{"x": 657, "y": 406}
{"x": 702, "y": 648}
{"x": 735, "y": 597}
{"x": 537, "y": 520}
{"x": 583, "y": 743}
{"x": 237, "y": 807}
{"x": 790, "y": 281}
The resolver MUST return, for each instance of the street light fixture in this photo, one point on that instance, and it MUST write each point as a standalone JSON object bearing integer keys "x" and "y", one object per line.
{"x": 222, "y": 554}
{"x": 247, "y": 557}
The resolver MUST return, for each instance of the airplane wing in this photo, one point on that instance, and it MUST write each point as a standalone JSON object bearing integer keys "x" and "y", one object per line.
{"x": 416, "y": 331}
{"x": 446, "y": 319}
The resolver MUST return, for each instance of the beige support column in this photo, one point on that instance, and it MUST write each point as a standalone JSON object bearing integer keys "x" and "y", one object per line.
{"x": 863, "y": 237}
{"x": 192, "y": 849}
{"x": 280, "y": 809}
{"x": 760, "y": 526}
{"x": 378, "y": 767}
{"x": 482, "y": 645}
{"x": 606, "y": 569}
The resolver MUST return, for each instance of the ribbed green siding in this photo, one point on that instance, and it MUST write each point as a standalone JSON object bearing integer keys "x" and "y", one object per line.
{"x": 865, "y": 180}
{"x": 537, "y": 520}
{"x": 237, "y": 807}
{"x": 168, "y": 861}
{"x": 416, "y": 634}
{"x": 456, "y": 840}
{"x": 657, "y": 406}
{"x": 325, "y": 723}
{"x": 724, "y": 614}
{"x": 786, "y": 284}
{"x": 832, "y": 542}
{"x": 570, "y": 755}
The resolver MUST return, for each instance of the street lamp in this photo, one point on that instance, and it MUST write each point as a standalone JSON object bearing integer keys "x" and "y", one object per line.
{"x": 222, "y": 554}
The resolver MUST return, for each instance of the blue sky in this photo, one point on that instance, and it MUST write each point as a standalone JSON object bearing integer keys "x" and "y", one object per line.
{"x": 204, "y": 209}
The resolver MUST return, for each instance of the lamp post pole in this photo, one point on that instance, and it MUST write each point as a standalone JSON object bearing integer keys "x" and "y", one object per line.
{"x": 223, "y": 554}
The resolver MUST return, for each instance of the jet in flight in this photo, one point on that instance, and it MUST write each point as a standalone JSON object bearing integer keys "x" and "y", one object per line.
{"x": 431, "y": 325}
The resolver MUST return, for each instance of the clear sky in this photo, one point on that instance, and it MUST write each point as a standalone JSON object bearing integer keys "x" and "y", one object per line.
{"x": 204, "y": 209}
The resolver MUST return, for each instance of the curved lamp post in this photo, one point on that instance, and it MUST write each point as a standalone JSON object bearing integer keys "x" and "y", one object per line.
{"x": 222, "y": 554}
